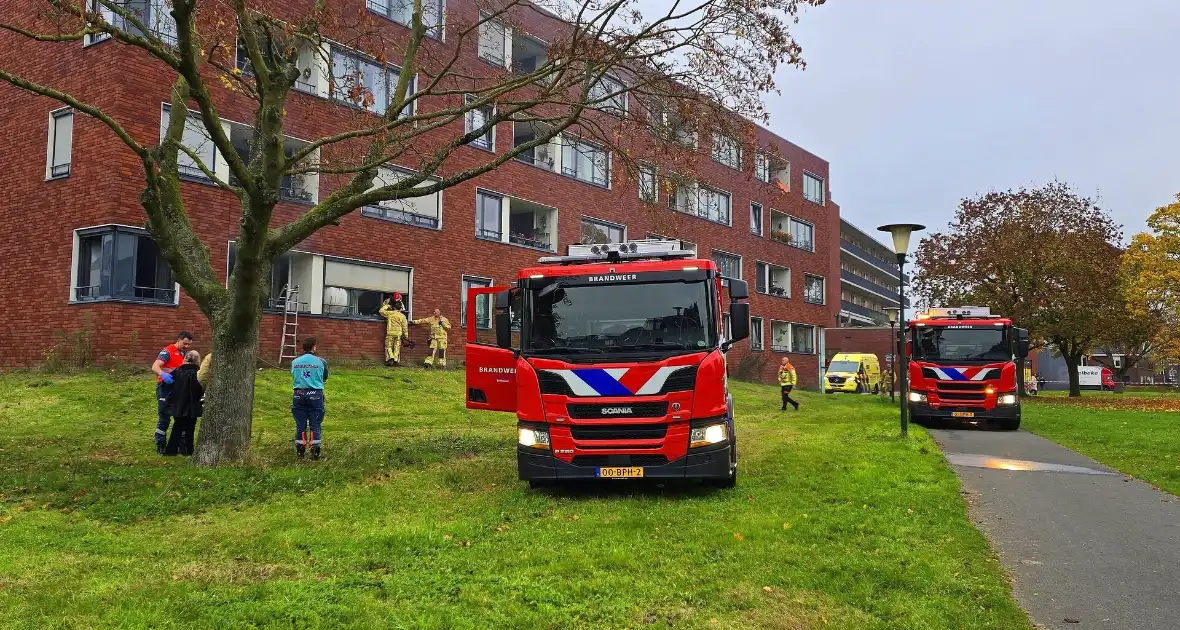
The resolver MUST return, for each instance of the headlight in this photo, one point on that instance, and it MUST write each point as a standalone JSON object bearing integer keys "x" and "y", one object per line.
{"x": 917, "y": 397}
{"x": 1008, "y": 399}
{"x": 704, "y": 436}
{"x": 533, "y": 438}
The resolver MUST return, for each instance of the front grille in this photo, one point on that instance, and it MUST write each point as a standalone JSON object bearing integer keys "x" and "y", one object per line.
{"x": 682, "y": 380}
{"x": 619, "y": 460}
{"x": 960, "y": 386}
{"x": 836, "y": 380}
{"x": 962, "y": 396}
{"x": 581, "y": 411}
{"x": 619, "y": 431}
{"x": 992, "y": 374}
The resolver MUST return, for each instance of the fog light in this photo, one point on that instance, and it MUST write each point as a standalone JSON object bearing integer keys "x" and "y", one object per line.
{"x": 917, "y": 397}
{"x": 704, "y": 436}
{"x": 533, "y": 438}
{"x": 1008, "y": 399}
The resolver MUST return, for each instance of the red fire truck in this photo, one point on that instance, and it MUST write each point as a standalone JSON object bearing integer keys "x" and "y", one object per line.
{"x": 613, "y": 360}
{"x": 964, "y": 365}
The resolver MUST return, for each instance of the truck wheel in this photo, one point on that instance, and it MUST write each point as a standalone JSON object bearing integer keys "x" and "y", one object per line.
{"x": 729, "y": 482}
{"x": 1010, "y": 425}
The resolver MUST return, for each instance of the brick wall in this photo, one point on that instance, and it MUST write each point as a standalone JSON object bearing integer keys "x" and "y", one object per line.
{"x": 106, "y": 179}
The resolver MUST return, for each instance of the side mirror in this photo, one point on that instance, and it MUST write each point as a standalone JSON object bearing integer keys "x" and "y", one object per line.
{"x": 739, "y": 322}
{"x": 1022, "y": 343}
{"x": 738, "y": 290}
{"x": 504, "y": 318}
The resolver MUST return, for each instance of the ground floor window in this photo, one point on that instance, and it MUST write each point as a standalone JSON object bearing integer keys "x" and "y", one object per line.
{"x": 120, "y": 263}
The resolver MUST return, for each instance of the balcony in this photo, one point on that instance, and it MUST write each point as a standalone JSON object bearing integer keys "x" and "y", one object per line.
{"x": 880, "y": 263}
{"x": 859, "y": 282}
{"x": 868, "y": 313}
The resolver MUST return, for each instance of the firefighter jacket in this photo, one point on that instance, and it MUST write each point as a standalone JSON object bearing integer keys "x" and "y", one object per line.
{"x": 395, "y": 321}
{"x": 438, "y": 327}
{"x": 786, "y": 376}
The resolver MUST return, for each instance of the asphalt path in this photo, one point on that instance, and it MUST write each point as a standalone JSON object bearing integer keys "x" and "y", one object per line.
{"x": 1087, "y": 547}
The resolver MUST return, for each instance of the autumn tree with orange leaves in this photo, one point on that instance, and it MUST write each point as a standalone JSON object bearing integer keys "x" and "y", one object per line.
{"x": 1046, "y": 257}
{"x": 1151, "y": 280}
{"x": 692, "y": 69}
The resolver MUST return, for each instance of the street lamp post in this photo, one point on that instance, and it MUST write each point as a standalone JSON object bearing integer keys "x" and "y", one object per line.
{"x": 892, "y": 313}
{"x": 901, "y": 244}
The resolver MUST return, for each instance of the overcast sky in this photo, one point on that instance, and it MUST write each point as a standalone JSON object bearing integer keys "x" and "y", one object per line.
{"x": 918, "y": 103}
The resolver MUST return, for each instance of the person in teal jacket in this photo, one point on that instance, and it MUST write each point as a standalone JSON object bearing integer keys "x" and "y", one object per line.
{"x": 308, "y": 373}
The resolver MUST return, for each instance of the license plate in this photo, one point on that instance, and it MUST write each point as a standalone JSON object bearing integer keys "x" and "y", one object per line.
{"x": 963, "y": 414}
{"x": 620, "y": 472}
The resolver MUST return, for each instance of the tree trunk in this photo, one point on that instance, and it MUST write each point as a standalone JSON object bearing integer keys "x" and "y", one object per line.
{"x": 1071, "y": 364}
{"x": 229, "y": 402}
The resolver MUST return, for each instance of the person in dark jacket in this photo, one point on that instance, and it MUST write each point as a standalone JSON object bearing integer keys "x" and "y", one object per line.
{"x": 184, "y": 405}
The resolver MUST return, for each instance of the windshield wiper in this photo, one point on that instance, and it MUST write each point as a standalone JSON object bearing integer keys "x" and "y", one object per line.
{"x": 557, "y": 350}
{"x": 662, "y": 344}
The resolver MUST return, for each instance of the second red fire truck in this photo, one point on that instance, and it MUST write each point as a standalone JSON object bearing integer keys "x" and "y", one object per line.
{"x": 613, "y": 360}
{"x": 963, "y": 364}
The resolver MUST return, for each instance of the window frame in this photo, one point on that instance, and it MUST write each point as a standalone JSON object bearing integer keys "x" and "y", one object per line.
{"x": 464, "y": 285}
{"x": 651, "y": 169}
{"x": 822, "y": 188}
{"x": 114, "y": 229}
{"x": 602, "y": 223}
{"x": 734, "y": 151}
{"x": 437, "y": 32}
{"x": 51, "y": 148}
{"x": 376, "y": 211}
{"x": 486, "y": 19}
{"x": 714, "y": 252}
{"x": 611, "y": 107}
{"x": 360, "y": 57}
{"x": 761, "y": 167}
{"x": 469, "y": 124}
{"x": 791, "y": 334}
{"x": 761, "y": 219}
{"x": 565, "y": 171}
{"x": 823, "y": 285}
{"x": 756, "y": 330}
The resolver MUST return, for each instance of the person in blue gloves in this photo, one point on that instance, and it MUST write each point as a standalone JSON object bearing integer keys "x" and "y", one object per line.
{"x": 308, "y": 373}
{"x": 170, "y": 358}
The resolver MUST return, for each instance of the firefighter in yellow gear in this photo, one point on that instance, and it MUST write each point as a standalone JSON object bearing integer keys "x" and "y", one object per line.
{"x": 438, "y": 338}
{"x": 396, "y": 328}
{"x": 786, "y": 382}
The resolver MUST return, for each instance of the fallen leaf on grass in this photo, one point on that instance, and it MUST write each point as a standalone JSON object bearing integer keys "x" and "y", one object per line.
{"x": 786, "y": 526}
{"x": 737, "y": 536}
{"x": 768, "y": 589}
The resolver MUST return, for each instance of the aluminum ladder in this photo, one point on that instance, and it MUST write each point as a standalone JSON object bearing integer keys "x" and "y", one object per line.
{"x": 289, "y": 345}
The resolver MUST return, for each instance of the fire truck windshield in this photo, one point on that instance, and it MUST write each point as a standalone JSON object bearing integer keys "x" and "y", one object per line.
{"x": 619, "y": 318}
{"x": 935, "y": 343}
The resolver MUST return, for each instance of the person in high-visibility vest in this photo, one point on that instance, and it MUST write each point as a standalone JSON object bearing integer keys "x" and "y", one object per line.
{"x": 396, "y": 327}
{"x": 439, "y": 326}
{"x": 786, "y": 381}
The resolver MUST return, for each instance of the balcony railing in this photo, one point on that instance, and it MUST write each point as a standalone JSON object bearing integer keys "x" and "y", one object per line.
{"x": 295, "y": 193}
{"x": 539, "y": 240}
{"x": 889, "y": 268}
{"x": 396, "y": 215}
{"x": 868, "y": 285}
{"x": 489, "y": 235}
{"x": 786, "y": 239}
{"x": 877, "y": 317}
{"x": 139, "y": 294}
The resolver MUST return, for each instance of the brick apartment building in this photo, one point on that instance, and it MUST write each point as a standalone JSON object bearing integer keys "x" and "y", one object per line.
{"x": 76, "y": 259}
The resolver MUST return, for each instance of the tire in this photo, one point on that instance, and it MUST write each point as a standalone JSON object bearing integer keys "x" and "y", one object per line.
{"x": 829, "y": 391}
{"x": 724, "y": 484}
{"x": 1010, "y": 425}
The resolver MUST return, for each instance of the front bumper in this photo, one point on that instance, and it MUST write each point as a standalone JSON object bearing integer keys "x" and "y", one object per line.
{"x": 999, "y": 412}
{"x": 704, "y": 463}
{"x": 846, "y": 386}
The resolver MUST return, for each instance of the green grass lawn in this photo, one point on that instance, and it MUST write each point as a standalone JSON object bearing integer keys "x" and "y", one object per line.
{"x": 414, "y": 519}
{"x": 1139, "y": 436}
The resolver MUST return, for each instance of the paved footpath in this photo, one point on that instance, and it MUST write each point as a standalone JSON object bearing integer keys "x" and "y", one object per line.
{"x": 1088, "y": 547}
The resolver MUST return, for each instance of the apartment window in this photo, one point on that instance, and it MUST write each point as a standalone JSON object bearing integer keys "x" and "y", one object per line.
{"x": 756, "y": 334}
{"x": 802, "y": 339}
{"x": 495, "y": 42}
{"x": 727, "y": 151}
{"x": 476, "y": 118}
{"x": 357, "y": 290}
{"x": 156, "y": 15}
{"x": 488, "y": 208}
{"x": 542, "y": 155}
{"x": 118, "y": 263}
{"x": 595, "y": 231}
{"x": 730, "y": 265}
{"x": 423, "y": 211}
{"x": 61, "y": 142}
{"x": 667, "y": 123}
{"x": 761, "y": 168}
{"x": 756, "y": 218}
{"x": 299, "y": 187}
{"x": 585, "y": 161}
{"x": 802, "y": 235}
{"x": 772, "y": 279}
{"x": 197, "y": 140}
{"x": 692, "y": 198}
{"x": 363, "y": 83}
{"x": 780, "y": 336}
{"x": 609, "y": 95}
{"x": 648, "y": 191}
{"x": 813, "y": 188}
{"x": 813, "y": 289}
{"x": 483, "y": 303}
{"x": 402, "y": 12}
{"x": 305, "y": 63}
{"x": 761, "y": 277}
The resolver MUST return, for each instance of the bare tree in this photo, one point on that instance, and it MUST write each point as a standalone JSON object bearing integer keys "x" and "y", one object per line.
{"x": 606, "y": 76}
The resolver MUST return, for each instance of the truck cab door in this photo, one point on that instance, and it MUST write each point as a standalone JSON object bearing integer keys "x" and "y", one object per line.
{"x": 490, "y": 369}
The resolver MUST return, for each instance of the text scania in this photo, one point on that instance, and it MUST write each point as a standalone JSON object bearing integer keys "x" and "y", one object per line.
{"x": 619, "y": 278}
{"x": 616, "y": 411}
